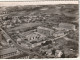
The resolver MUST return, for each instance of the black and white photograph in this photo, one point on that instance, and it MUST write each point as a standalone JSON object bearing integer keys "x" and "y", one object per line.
{"x": 38, "y": 31}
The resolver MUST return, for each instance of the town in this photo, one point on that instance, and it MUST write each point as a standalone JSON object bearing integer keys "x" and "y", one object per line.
{"x": 42, "y": 32}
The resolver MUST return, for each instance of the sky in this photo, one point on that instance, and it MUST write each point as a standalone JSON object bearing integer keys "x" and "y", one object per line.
{"x": 37, "y": 3}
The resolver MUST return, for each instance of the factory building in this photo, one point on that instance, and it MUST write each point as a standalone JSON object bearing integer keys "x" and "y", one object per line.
{"x": 45, "y": 31}
{"x": 35, "y": 36}
{"x": 58, "y": 33}
{"x": 67, "y": 26}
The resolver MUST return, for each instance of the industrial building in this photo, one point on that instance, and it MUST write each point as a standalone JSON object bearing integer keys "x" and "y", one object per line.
{"x": 45, "y": 31}
{"x": 36, "y": 36}
{"x": 67, "y": 26}
{"x": 58, "y": 33}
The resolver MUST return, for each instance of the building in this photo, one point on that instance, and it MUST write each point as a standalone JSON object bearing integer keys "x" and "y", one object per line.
{"x": 8, "y": 52}
{"x": 58, "y": 33}
{"x": 49, "y": 52}
{"x": 36, "y": 36}
{"x": 36, "y": 44}
{"x": 19, "y": 40}
{"x": 57, "y": 28}
{"x": 45, "y": 31}
{"x": 15, "y": 17}
{"x": 67, "y": 26}
{"x": 58, "y": 53}
{"x": 24, "y": 57}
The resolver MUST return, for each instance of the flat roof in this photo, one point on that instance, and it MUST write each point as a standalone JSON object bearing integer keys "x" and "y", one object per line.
{"x": 6, "y": 51}
{"x": 40, "y": 27}
{"x": 64, "y": 24}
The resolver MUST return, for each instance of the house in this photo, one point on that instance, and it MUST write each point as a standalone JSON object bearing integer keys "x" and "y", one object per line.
{"x": 19, "y": 40}
{"x": 45, "y": 31}
{"x": 36, "y": 44}
{"x": 36, "y": 36}
{"x": 8, "y": 52}
{"x": 67, "y": 26}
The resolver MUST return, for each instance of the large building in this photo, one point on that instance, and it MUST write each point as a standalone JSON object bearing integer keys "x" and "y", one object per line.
{"x": 8, "y": 52}
{"x": 58, "y": 33}
{"x": 45, "y": 31}
{"x": 35, "y": 36}
{"x": 67, "y": 26}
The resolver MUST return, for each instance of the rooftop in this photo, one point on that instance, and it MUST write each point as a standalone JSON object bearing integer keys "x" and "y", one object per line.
{"x": 66, "y": 24}
{"x": 35, "y": 34}
{"x": 6, "y": 51}
{"x": 58, "y": 32}
{"x": 40, "y": 27}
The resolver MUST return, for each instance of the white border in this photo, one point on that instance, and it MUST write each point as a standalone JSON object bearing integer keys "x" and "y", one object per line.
{"x": 7, "y": 3}
{"x": 36, "y": 3}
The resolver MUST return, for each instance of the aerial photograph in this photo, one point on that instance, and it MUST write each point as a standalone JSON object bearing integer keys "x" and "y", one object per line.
{"x": 39, "y": 31}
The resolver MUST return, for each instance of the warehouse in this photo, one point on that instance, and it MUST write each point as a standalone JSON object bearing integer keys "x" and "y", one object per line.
{"x": 45, "y": 31}
{"x": 36, "y": 36}
{"x": 67, "y": 26}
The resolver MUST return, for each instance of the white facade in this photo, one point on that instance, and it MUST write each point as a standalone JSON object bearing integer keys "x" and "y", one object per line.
{"x": 45, "y": 31}
{"x": 35, "y": 36}
{"x": 59, "y": 33}
{"x": 67, "y": 26}
{"x": 58, "y": 53}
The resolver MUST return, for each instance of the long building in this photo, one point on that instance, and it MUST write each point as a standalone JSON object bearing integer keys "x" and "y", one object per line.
{"x": 45, "y": 31}
{"x": 8, "y": 52}
{"x": 67, "y": 26}
{"x": 36, "y": 36}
